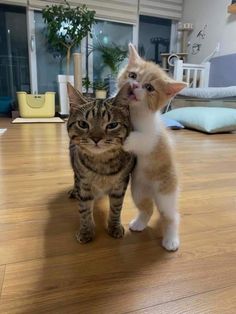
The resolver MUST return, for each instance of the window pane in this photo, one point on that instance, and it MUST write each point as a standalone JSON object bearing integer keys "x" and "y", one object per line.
{"x": 108, "y": 33}
{"x": 14, "y": 65}
{"x": 154, "y": 37}
{"x": 49, "y": 64}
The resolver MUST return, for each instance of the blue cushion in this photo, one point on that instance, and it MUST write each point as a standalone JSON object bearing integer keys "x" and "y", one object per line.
{"x": 172, "y": 124}
{"x": 206, "y": 119}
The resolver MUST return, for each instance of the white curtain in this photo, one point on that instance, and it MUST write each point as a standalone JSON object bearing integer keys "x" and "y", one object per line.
{"x": 171, "y": 9}
{"x": 15, "y": 2}
{"x": 114, "y": 10}
{"x": 118, "y": 10}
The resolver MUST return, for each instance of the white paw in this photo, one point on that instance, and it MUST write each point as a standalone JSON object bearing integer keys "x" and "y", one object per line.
{"x": 131, "y": 142}
{"x": 137, "y": 225}
{"x": 128, "y": 145}
{"x": 170, "y": 244}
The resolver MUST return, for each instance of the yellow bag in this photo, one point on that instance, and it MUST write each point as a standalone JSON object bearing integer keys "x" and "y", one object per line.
{"x": 36, "y": 106}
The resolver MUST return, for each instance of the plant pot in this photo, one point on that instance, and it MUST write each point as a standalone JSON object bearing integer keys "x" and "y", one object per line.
{"x": 111, "y": 83}
{"x": 63, "y": 98}
{"x": 36, "y": 106}
{"x": 100, "y": 94}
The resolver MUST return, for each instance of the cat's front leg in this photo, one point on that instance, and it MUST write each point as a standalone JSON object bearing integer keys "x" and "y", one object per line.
{"x": 74, "y": 192}
{"x": 86, "y": 232}
{"x": 131, "y": 142}
{"x": 139, "y": 143}
{"x": 116, "y": 196}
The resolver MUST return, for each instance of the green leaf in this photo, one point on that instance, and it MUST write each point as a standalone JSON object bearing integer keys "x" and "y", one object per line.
{"x": 67, "y": 26}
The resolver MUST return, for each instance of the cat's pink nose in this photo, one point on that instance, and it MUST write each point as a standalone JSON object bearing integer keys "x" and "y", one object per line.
{"x": 135, "y": 85}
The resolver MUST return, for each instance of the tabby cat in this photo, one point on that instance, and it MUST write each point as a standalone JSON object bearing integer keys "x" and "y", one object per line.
{"x": 155, "y": 178}
{"x": 97, "y": 131}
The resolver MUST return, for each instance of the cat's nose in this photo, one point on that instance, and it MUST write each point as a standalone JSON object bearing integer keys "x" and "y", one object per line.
{"x": 96, "y": 139}
{"x": 135, "y": 85}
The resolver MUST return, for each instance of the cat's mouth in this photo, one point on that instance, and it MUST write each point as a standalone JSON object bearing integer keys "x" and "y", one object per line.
{"x": 97, "y": 148}
{"x": 132, "y": 95}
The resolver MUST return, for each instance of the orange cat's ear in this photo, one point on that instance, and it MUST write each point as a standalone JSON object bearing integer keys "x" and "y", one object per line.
{"x": 76, "y": 99}
{"x": 172, "y": 88}
{"x": 133, "y": 55}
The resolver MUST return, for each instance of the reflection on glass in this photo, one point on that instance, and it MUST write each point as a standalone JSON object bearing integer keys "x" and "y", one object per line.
{"x": 154, "y": 37}
{"x": 108, "y": 33}
{"x": 49, "y": 62}
{"x": 14, "y": 65}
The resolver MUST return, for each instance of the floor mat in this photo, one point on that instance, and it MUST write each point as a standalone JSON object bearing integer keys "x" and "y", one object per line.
{"x": 2, "y": 131}
{"x": 38, "y": 120}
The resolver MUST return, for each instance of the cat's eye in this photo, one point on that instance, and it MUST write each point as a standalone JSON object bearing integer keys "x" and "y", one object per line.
{"x": 132, "y": 75}
{"x": 112, "y": 126}
{"x": 83, "y": 125}
{"x": 149, "y": 87}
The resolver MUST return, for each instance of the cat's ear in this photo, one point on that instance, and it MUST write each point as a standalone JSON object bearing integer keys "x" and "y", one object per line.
{"x": 76, "y": 99}
{"x": 133, "y": 55}
{"x": 171, "y": 88}
{"x": 122, "y": 96}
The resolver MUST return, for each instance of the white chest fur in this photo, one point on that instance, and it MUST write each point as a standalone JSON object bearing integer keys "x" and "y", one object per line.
{"x": 147, "y": 128}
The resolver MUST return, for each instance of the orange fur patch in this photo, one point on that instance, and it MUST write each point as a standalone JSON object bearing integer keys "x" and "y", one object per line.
{"x": 146, "y": 204}
{"x": 161, "y": 166}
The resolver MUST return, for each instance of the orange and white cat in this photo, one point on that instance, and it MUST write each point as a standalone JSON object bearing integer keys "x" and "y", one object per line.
{"x": 154, "y": 179}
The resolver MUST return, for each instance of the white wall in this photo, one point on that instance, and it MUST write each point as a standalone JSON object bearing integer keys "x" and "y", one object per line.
{"x": 221, "y": 26}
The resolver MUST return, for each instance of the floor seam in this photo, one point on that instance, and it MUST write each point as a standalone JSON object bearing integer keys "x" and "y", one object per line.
{"x": 178, "y": 299}
{"x": 4, "y": 272}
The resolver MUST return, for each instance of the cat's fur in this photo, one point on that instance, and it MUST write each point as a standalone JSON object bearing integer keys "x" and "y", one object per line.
{"x": 97, "y": 131}
{"x": 155, "y": 177}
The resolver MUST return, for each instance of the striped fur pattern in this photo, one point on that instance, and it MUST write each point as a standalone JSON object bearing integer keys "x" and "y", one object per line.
{"x": 97, "y": 131}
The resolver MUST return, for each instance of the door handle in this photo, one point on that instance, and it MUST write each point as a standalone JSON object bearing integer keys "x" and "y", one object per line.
{"x": 32, "y": 42}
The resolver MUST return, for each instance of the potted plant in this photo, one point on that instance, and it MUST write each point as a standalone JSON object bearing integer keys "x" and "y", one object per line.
{"x": 100, "y": 89}
{"x": 66, "y": 26}
{"x": 112, "y": 56}
{"x": 87, "y": 85}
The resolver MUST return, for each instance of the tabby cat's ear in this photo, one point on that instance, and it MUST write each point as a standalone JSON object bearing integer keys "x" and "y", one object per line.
{"x": 76, "y": 99}
{"x": 121, "y": 99}
{"x": 133, "y": 55}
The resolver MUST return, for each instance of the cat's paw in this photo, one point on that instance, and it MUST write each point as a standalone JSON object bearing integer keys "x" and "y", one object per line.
{"x": 85, "y": 236}
{"x": 170, "y": 243}
{"x": 131, "y": 142}
{"x": 116, "y": 231}
{"x": 137, "y": 225}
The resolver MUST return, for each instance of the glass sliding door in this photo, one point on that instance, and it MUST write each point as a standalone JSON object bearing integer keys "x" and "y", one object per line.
{"x": 108, "y": 33}
{"x": 14, "y": 62}
{"x": 48, "y": 62}
{"x": 154, "y": 37}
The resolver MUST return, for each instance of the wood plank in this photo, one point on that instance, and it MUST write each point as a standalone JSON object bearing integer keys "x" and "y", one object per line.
{"x": 2, "y": 272}
{"x": 47, "y": 271}
{"x": 217, "y": 301}
{"x": 60, "y": 223}
{"x": 111, "y": 281}
{"x": 232, "y": 8}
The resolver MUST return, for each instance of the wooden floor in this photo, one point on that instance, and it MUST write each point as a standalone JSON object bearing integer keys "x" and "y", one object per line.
{"x": 44, "y": 270}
